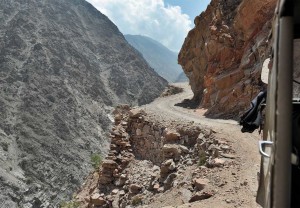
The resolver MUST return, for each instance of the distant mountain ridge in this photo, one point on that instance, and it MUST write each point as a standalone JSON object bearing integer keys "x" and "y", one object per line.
{"x": 159, "y": 57}
{"x": 63, "y": 67}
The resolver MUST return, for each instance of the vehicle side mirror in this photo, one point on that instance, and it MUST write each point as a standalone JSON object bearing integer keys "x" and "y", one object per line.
{"x": 265, "y": 71}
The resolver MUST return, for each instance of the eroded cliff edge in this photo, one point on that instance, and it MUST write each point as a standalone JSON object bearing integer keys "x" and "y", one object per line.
{"x": 223, "y": 54}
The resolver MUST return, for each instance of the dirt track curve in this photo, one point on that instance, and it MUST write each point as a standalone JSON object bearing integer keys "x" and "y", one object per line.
{"x": 245, "y": 145}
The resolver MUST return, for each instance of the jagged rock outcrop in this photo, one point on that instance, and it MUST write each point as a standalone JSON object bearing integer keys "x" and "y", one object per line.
{"x": 63, "y": 65}
{"x": 223, "y": 55}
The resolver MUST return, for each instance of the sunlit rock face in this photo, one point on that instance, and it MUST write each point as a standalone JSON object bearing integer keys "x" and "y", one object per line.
{"x": 223, "y": 54}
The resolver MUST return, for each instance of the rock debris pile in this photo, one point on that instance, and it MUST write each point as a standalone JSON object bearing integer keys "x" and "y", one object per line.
{"x": 147, "y": 160}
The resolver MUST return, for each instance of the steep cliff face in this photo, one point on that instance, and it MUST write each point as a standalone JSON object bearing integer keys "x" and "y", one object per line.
{"x": 223, "y": 55}
{"x": 63, "y": 65}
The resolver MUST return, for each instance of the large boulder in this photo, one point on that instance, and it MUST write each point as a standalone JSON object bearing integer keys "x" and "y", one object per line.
{"x": 223, "y": 54}
{"x": 174, "y": 151}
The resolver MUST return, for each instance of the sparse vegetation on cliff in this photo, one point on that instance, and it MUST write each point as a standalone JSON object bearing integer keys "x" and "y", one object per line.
{"x": 137, "y": 200}
{"x": 202, "y": 157}
{"x": 96, "y": 160}
{"x": 70, "y": 204}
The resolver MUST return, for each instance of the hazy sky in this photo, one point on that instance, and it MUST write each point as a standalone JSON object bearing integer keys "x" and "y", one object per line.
{"x": 167, "y": 21}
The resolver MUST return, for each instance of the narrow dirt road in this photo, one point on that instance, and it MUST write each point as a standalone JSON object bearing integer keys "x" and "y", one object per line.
{"x": 165, "y": 107}
{"x": 242, "y": 184}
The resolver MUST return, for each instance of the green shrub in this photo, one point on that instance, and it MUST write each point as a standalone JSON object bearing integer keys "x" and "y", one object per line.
{"x": 70, "y": 204}
{"x": 202, "y": 158}
{"x": 136, "y": 200}
{"x": 96, "y": 160}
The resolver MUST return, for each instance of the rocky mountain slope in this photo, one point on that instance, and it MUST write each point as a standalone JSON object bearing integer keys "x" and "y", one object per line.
{"x": 160, "y": 58}
{"x": 223, "y": 54}
{"x": 63, "y": 65}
